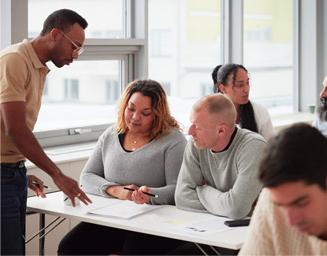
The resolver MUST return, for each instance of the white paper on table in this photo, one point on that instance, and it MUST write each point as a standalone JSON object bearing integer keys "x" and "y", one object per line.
{"x": 124, "y": 209}
{"x": 204, "y": 227}
{"x": 208, "y": 225}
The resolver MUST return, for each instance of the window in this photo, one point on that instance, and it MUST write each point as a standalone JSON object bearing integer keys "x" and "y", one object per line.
{"x": 166, "y": 86}
{"x": 112, "y": 91}
{"x": 160, "y": 44}
{"x": 46, "y": 91}
{"x": 189, "y": 49}
{"x": 177, "y": 43}
{"x": 105, "y": 17}
{"x": 268, "y": 52}
{"x": 207, "y": 89}
{"x": 84, "y": 96}
{"x": 71, "y": 90}
{"x": 78, "y": 95}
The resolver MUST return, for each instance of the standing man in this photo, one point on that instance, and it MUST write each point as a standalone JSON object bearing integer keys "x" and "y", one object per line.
{"x": 321, "y": 120}
{"x": 291, "y": 215}
{"x": 23, "y": 72}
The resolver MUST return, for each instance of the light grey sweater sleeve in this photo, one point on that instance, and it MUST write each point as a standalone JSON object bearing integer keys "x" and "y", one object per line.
{"x": 172, "y": 164}
{"x": 190, "y": 177}
{"x": 92, "y": 176}
{"x": 237, "y": 202}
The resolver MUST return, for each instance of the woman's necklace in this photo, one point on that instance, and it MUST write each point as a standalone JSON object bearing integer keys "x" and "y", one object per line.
{"x": 133, "y": 143}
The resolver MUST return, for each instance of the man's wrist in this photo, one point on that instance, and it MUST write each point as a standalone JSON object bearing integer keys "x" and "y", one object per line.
{"x": 55, "y": 174}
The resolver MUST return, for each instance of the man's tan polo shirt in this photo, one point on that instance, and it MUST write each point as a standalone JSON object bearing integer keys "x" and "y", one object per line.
{"x": 22, "y": 78}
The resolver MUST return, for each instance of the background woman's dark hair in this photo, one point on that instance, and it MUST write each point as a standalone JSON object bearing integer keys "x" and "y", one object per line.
{"x": 62, "y": 19}
{"x": 220, "y": 75}
{"x": 214, "y": 78}
{"x": 297, "y": 153}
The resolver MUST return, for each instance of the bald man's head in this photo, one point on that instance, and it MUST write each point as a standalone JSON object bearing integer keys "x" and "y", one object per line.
{"x": 219, "y": 106}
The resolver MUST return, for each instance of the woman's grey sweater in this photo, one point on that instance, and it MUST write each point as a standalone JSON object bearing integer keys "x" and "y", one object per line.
{"x": 155, "y": 165}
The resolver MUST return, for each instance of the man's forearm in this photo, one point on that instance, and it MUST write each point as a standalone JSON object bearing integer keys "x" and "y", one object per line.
{"x": 27, "y": 144}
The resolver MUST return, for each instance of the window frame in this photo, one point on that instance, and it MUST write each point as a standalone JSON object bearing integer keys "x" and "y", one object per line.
{"x": 122, "y": 50}
{"x": 309, "y": 51}
{"x": 129, "y": 51}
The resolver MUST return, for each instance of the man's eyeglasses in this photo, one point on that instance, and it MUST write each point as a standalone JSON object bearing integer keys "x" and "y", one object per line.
{"x": 77, "y": 50}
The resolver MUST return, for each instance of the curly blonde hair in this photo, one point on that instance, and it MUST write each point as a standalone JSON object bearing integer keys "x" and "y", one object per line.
{"x": 163, "y": 121}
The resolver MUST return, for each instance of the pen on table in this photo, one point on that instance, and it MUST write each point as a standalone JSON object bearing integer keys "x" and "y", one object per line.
{"x": 38, "y": 184}
{"x": 149, "y": 194}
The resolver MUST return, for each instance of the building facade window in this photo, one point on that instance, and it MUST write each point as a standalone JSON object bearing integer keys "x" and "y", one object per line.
{"x": 268, "y": 52}
{"x": 160, "y": 43}
{"x": 112, "y": 91}
{"x": 71, "y": 90}
{"x": 86, "y": 93}
{"x": 82, "y": 94}
{"x": 177, "y": 43}
{"x": 194, "y": 36}
{"x": 106, "y": 18}
{"x": 207, "y": 89}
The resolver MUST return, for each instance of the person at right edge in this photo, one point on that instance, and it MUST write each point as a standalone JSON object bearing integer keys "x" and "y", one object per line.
{"x": 321, "y": 119}
{"x": 291, "y": 215}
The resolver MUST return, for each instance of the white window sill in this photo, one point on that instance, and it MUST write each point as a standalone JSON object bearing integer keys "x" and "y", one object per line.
{"x": 282, "y": 121}
{"x": 78, "y": 152}
{"x": 68, "y": 153}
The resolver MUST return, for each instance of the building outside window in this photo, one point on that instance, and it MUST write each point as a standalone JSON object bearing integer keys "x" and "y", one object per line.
{"x": 77, "y": 95}
{"x": 112, "y": 91}
{"x": 177, "y": 43}
{"x": 194, "y": 37}
{"x": 71, "y": 90}
{"x": 268, "y": 52}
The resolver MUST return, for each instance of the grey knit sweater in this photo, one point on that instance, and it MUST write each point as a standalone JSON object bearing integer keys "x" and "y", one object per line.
{"x": 155, "y": 165}
{"x": 223, "y": 183}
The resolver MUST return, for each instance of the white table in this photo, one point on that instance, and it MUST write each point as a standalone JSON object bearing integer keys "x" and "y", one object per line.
{"x": 165, "y": 221}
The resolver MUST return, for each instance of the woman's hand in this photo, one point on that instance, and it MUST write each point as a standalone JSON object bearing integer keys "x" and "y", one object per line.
{"x": 121, "y": 193}
{"x": 35, "y": 184}
{"x": 139, "y": 197}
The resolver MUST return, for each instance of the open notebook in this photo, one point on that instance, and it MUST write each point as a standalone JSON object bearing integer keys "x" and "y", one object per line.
{"x": 123, "y": 209}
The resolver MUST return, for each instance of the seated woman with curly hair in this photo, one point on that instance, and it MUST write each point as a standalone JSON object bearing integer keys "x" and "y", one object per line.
{"x": 144, "y": 152}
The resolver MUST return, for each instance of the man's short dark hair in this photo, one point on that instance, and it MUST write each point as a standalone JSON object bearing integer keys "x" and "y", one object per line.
{"x": 62, "y": 19}
{"x": 298, "y": 153}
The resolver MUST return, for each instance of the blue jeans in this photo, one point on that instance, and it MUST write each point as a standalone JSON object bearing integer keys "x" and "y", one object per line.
{"x": 13, "y": 208}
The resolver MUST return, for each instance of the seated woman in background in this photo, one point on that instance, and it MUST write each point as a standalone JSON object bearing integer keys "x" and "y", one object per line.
{"x": 233, "y": 81}
{"x": 143, "y": 151}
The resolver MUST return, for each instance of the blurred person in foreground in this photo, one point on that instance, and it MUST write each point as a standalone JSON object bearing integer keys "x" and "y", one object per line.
{"x": 291, "y": 215}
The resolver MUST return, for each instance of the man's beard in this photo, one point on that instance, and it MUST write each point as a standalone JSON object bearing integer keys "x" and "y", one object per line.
{"x": 322, "y": 110}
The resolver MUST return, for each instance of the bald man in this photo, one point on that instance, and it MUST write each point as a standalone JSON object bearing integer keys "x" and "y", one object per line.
{"x": 220, "y": 166}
